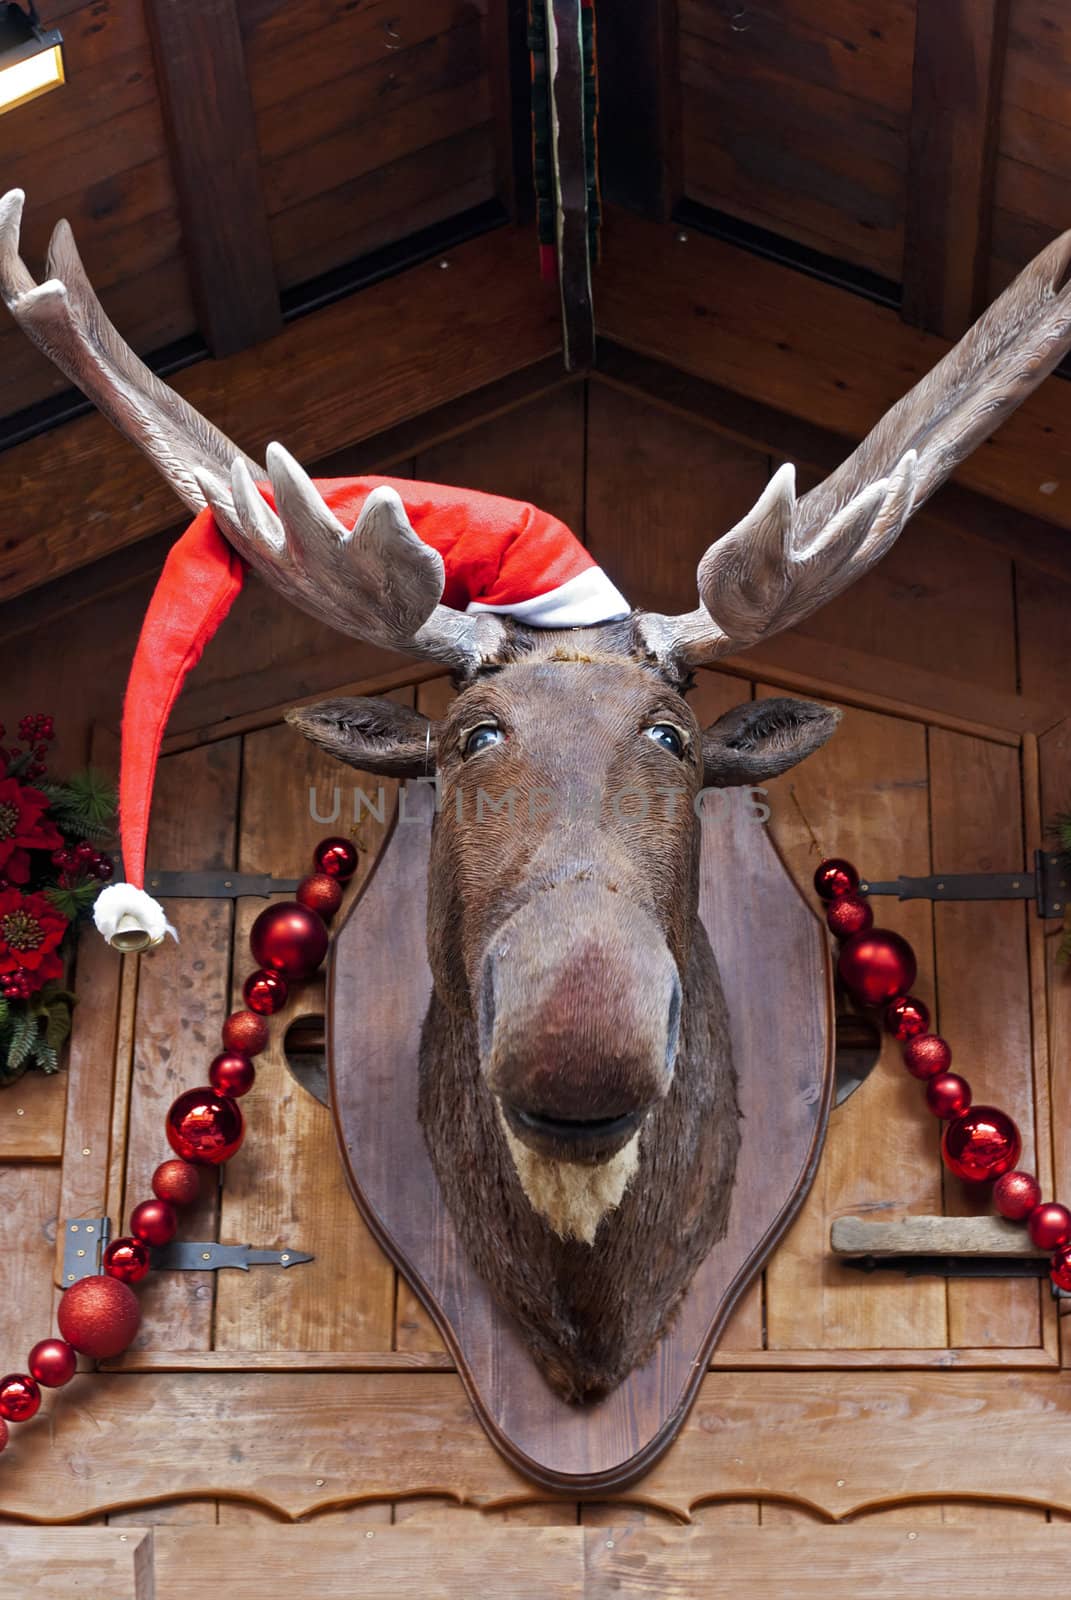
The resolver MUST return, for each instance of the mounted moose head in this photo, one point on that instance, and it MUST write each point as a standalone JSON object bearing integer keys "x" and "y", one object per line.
{"x": 577, "y": 1089}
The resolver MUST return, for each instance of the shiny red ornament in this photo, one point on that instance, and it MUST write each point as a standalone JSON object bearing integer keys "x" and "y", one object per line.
{"x": 1049, "y": 1225}
{"x": 876, "y": 966}
{"x": 232, "y": 1074}
{"x": 19, "y": 1397}
{"x": 981, "y": 1145}
{"x": 290, "y": 939}
{"x": 205, "y": 1127}
{"x": 906, "y": 1017}
{"x": 1016, "y": 1194}
{"x": 127, "y": 1259}
{"x": 52, "y": 1362}
{"x": 926, "y": 1055}
{"x": 321, "y": 893}
{"x": 835, "y": 878}
{"x": 849, "y": 914}
{"x": 337, "y": 857}
{"x": 177, "y": 1181}
{"x": 948, "y": 1095}
{"x": 154, "y": 1222}
{"x": 245, "y": 1031}
{"x": 265, "y": 992}
{"x": 1060, "y": 1271}
{"x": 99, "y": 1317}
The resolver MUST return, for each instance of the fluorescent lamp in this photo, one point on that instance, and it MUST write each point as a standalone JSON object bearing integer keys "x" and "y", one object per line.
{"x": 31, "y": 57}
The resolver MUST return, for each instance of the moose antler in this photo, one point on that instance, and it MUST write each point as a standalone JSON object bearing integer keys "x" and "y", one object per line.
{"x": 378, "y": 581}
{"x": 788, "y": 556}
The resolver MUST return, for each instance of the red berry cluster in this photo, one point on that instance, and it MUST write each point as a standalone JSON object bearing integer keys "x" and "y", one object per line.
{"x": 15, "y": 985}
{"x": 80, "y": 861}
{"x": 980, "y": 1144}
{"x": 36, "y": 729}
{"x": 99, "y": 1316}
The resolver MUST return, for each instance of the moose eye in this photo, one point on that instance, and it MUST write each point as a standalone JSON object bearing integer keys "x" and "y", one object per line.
{"x": 481, "y": 738}
{"x": 669, "y": 737}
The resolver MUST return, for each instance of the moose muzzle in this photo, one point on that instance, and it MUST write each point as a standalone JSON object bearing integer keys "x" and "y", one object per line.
{"x": 579, "y": 1017}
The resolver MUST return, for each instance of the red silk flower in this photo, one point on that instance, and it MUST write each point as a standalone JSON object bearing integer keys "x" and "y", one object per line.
{"x": 30, "y": 930}
{"x": 23, "y": 826}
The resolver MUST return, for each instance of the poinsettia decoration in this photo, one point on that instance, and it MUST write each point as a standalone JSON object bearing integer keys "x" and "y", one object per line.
{"x": 51, "y": 870}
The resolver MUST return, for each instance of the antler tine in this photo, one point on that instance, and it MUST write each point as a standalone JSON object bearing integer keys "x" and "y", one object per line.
{"x": 789, "y": 556}
{"x": 64, "y": 318}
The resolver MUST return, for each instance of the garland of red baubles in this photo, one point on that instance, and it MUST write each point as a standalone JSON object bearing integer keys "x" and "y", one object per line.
{"x": 980, "y": 1144}
{"x": 99, "y": 1316}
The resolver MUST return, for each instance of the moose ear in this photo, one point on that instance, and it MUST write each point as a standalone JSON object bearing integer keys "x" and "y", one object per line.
{"x": 762, "y": 738}
{"x": 375, "y": 735}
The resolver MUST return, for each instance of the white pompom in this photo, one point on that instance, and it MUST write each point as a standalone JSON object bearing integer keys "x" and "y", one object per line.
{"x": 129, "y": 918}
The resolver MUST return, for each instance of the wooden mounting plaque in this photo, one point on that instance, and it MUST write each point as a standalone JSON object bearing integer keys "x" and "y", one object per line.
{"x": 774, "y": 959}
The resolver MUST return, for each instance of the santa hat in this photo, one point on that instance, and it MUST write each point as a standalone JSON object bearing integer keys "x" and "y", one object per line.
{"x": 499, "y": 555}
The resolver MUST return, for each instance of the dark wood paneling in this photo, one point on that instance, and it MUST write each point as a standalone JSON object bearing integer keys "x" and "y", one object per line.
{"x": 639, "y": 106}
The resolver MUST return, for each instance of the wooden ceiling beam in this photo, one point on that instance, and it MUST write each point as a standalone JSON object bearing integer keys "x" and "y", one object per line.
{"x": 400, "y": 348}
{"x": 810, "y": 350}
{"x": 212, "y": 140}
{"x": 960, "y": 47}
{"x": 640, "y": 148}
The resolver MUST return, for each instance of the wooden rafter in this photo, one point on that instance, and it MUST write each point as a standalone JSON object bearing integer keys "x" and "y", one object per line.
{"x": 959, "y": 59}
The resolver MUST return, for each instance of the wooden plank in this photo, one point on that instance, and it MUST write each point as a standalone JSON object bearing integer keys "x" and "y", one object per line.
{"x": 91, "y": 1561}
{"x": 805, "y": 347}
{"x": 639, "y": 117}
{"x": 200, "y": 69}
{"x": 959, "y": 60}
{"x": 1054, "y": 749}
{"x": 931, "y": 1236}
{"x": 27, "y": 1242}
{"x": 426, "y": 336}
{"x": 31, "y": 1126}
{"x": 866, "y": 1439}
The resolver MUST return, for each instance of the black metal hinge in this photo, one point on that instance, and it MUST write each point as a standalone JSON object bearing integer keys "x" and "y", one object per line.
{"x": 86, "y": 1238}
{"x": 216, "y": 885}
{"x": 1048, "y": 885}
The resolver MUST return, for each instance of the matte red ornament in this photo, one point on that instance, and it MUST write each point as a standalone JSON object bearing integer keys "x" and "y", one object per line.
{"x": 981, "y": 1145}
{"x": 154, "y": 1222}
{"x": 127, "y": 1259}
{"x": 290, "y": 939}
{"x": 1060, "y": 1272}
{"x": 877, "y": 965}
{"x": 1049, "y": 1225}
{"x": 849, "y": 914}
{"x": 177, "y": 1181}
{"x": 948, "y": 1095}
{"x": 1016, "y": 1194}
{"x": 205, "y": 1127}
{"x": 926, "y": 1055}
{"x": 232, "y": 1074}
{"x": 245, "y": 1031}
{"x": 19, "y": 1397}
{"x": 321, "y": 893}
{"x": 337, "y": 857}
{"x": 835, "y": 878}
{"x": 265, "y": 992}
{"x": 52, "y": 1362}
{"x": 99, "y": 1317}
{"x": 906, "y": 1017}
{"x": 3, "y": 1434}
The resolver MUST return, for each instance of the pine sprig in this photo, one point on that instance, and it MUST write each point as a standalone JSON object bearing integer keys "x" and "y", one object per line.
{"x": 83, "y": 806}
{"x": 75, "y": 901}
{"x": 34, "y": 1034}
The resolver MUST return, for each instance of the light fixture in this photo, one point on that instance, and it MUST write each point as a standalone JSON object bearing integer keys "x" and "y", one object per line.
{"x": 31, "y": 57}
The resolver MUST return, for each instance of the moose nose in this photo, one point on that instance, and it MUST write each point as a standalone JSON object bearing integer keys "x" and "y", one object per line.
{"x": 579, "y": 1015}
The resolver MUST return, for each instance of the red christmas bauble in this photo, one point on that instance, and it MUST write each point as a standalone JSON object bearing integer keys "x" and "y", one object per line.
{"x": 265, "y": 992}
{"x": 19, "y": 1397}
{"x": 926, "y": 1055}
{"x": 877, "y": 965}
{"x": 1016, "y": 1194}
{"x": 849, "y": 914}
{"x": 321, "y": 893}
{"x": 232, "y": 1074}
{"x": 99, "y": 1317}
{"x": 337, "y": 857}
{"x": 177, "y": 1181}
{"x": 981, "y": 1145}
{"x": 3, "y": 1434}
{"x": 205, "y": 1127}
{"x": 1060, "y": 1271}
{"x": 835, "y": 878}
{"x": 154, "y": 1222}
{"x": 906, "y": 1017}
{"x": 289, "y": 939}
{"x": 1049, "y": 1225}
{"x": 127, "y": 1259}
{"x": 948, "y": 1095}
{"x": 245, "y": 1031}
{"x": 52, "y": 1362}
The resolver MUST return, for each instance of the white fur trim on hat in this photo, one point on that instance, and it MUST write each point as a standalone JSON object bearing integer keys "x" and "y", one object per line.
{"x": 129, "y": 918}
